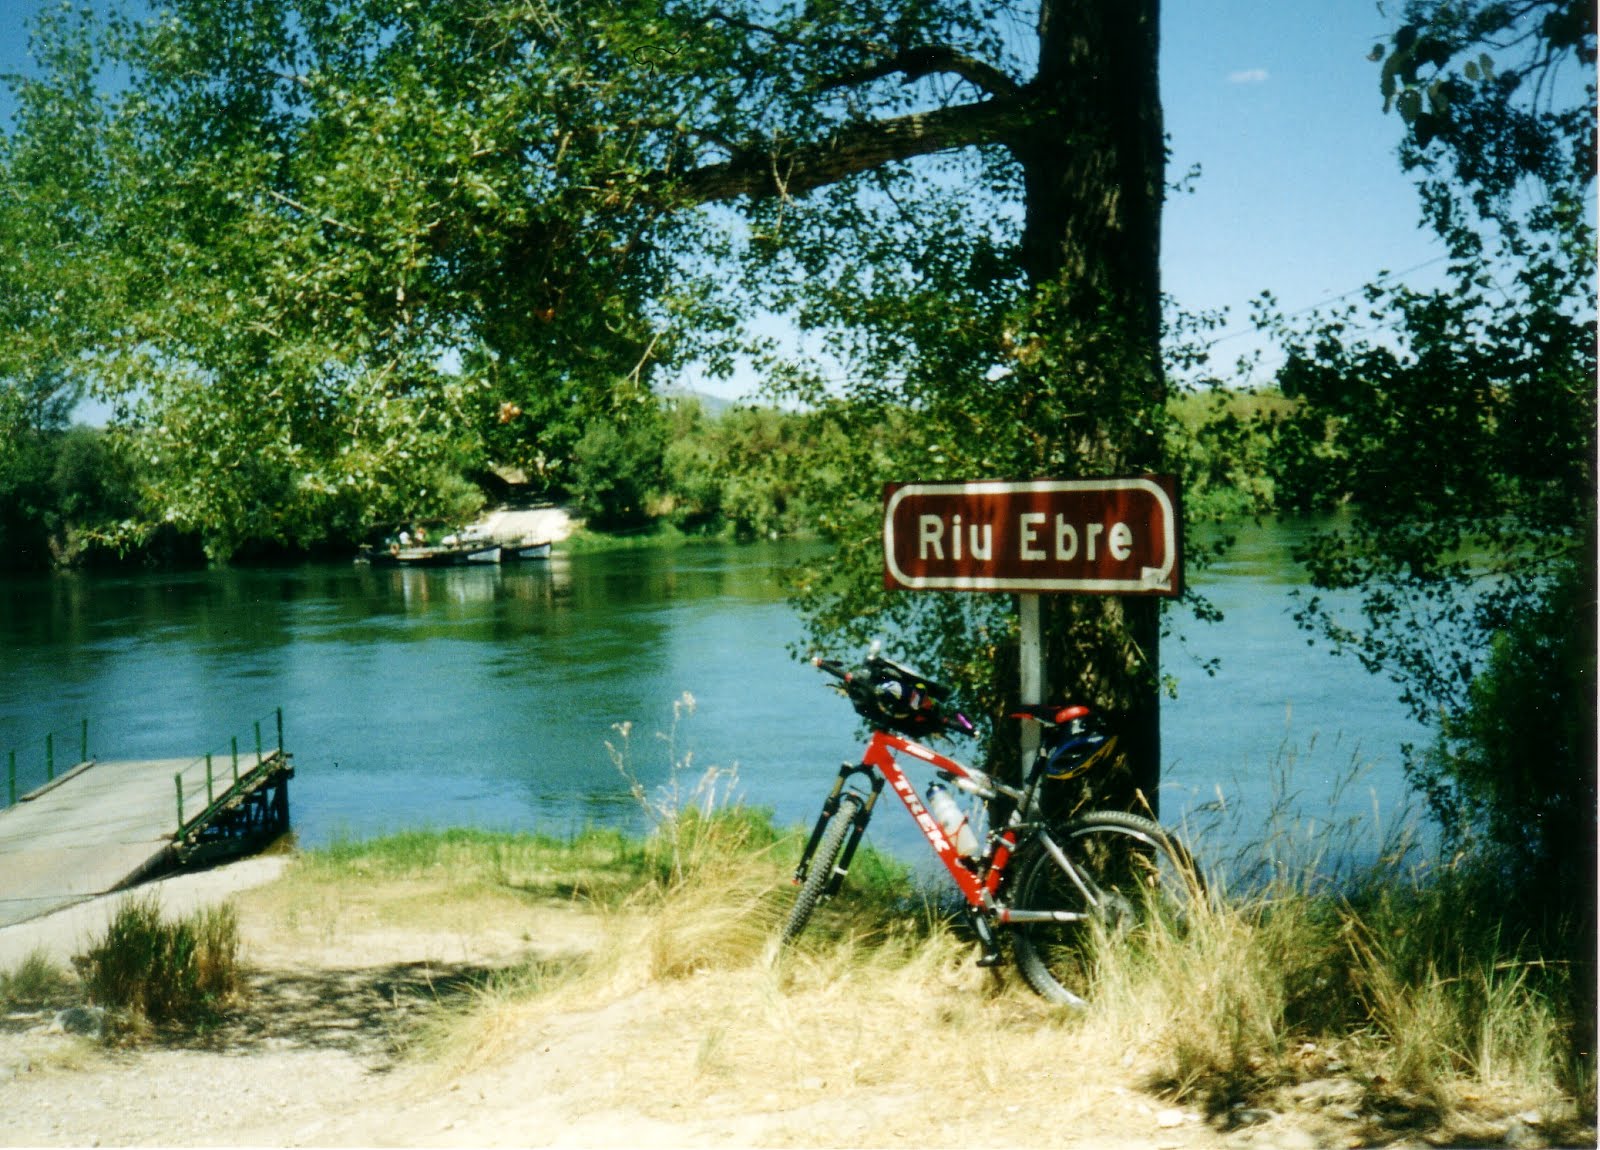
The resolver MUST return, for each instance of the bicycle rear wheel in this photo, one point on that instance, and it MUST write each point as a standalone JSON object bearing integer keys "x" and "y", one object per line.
{"x": 1125, "y": 870}
{"x": 819, "y": 872}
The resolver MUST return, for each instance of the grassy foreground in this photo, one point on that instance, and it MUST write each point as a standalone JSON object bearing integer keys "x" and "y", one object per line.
{"x": 1394, "y": 1003}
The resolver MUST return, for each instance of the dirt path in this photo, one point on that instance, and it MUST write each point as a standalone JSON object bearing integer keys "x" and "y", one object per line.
{"x": 318, "y": 1057}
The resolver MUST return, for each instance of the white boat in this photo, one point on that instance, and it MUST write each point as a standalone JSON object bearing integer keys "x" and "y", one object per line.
{"x": 444, "y": 556}
{"x": 527, "y": 550}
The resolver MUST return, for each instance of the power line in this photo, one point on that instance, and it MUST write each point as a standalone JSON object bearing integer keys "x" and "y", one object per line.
{"x": 1333, "y": 299}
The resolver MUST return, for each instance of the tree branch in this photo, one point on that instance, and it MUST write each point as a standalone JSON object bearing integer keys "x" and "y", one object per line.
{"x": 915, "y": 63}
{"x": 793, "y": 169}
{"x": 309, "y": 211}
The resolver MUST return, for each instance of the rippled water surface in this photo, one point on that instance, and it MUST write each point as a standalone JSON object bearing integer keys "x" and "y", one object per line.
{"x": 487, "y": 695}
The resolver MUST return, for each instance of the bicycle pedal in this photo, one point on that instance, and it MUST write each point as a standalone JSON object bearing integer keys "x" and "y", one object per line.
{"x": 991, "y": 952}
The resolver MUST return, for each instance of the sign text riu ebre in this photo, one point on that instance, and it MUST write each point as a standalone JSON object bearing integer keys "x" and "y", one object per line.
{"x": 1090, "y": 536}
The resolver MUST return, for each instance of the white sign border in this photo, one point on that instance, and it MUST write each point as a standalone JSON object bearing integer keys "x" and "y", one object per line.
{"x": 1152, "y": 580}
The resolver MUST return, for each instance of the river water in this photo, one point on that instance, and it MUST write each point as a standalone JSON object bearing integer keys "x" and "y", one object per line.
{"x": 486, "y": 696}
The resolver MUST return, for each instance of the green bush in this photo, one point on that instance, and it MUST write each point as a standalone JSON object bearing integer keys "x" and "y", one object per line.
{"x": 1517, "y": 763}
{"x": 615, "y": 470}
{"x": 161, "y": 972}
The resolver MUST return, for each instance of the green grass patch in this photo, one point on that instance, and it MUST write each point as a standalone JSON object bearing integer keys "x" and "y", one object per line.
{"x": 657, "y": 535}
{"x": 596, "y": 864}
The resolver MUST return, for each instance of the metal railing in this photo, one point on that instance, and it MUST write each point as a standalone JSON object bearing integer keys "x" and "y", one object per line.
{"x": 23, "y": 780}
{"x": 212, "y": 774}
{"x": 215, "y": 775}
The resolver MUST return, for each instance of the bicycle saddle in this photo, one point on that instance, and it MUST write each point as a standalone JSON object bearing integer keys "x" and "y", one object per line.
{"x": 1050, "y": 714}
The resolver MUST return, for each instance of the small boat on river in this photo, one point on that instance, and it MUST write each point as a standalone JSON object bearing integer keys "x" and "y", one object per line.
{"x": 474, "y": 545}
{"x": 449, "y": 555}
{"x": 526, "y": 551}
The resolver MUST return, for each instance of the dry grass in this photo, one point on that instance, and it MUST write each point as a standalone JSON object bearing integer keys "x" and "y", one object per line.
{"x": 459, "y": 896}
{"x": 1395, "y": 990}
{"x": 35, "y": 982}
{"x": 151, "y": 971}
{"x": 1237, "y": 1006}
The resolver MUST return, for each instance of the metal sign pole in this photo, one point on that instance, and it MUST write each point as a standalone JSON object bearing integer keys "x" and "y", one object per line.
{"x": 1031, "y": 672}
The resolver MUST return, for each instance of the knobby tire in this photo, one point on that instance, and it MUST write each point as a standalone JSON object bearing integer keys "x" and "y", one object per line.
{"x": 820, "y": 870}
{"x": 1132, "y": 868}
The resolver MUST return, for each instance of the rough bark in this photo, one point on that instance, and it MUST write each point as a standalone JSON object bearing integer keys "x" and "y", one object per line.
{"x": 1094, "y": 157}
{"x": 1094, "y": 172}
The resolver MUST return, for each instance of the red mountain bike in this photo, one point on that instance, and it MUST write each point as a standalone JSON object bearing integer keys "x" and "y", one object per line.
{"x": 1047, "y": 884}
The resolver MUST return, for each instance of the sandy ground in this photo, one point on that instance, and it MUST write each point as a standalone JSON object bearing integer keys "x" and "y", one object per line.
{"x": 542, "y": 523}
{"x": 67, "y": 932}
{"x": 317, "y": 1056}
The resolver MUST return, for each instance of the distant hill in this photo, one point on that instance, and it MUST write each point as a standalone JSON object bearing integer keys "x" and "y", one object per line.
{"x": 713, "y": 405}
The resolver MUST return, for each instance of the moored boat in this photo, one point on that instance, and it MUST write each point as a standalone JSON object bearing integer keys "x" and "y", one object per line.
{"x": 527, "y": 550}
{"x": 442, "y": 556}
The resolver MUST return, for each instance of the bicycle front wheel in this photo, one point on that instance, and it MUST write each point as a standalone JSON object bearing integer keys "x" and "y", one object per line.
{"x": 1123, "y": 870}
{"x": 819, "y": 872}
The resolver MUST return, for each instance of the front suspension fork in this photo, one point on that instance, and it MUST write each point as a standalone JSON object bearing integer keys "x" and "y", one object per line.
{"x": 830, "y": 807}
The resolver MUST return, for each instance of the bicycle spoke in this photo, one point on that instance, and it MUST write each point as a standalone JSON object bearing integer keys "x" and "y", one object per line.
{"x": 1121, "y": 869}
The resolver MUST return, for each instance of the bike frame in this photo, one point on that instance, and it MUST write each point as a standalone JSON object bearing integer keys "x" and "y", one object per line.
{"x": 979, "y": 881}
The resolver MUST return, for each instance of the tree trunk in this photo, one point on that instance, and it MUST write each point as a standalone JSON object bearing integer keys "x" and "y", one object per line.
{"x": 1093, "y": 159}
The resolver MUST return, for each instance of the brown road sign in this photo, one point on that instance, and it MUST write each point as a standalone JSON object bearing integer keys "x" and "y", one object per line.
{"x": 1089, "y": 536}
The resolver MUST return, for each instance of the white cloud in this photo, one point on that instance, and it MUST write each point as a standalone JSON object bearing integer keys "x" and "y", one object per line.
{"x": 1249, "y": 76}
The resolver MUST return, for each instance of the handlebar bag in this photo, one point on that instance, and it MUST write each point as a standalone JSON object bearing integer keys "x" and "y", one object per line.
{"x": 902, "y": 704}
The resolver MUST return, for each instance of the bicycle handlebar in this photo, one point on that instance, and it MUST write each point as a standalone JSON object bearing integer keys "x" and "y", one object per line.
{"x": 862, "y": 684}
{"x": 832, "y": 667}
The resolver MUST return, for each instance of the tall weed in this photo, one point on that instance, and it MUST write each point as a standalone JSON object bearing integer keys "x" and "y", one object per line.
{"x": 35, "y": 981}
{"x": 157, "y": 971}
{"x": 1399, "y": 973}
{"x": 710, "y": 899}
{"x": 1299, "y": 964}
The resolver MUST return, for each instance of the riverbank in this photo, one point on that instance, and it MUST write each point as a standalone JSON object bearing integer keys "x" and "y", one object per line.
{"x": 572, "y": 535}
{"x": 518, "y": 524}
{"x": 465, "y": 989}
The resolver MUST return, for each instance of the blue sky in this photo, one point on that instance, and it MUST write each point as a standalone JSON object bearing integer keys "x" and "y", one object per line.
{"x": 1300, "y": 193}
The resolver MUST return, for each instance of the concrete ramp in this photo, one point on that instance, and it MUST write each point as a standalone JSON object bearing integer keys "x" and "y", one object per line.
{"x": 104, "y": 826}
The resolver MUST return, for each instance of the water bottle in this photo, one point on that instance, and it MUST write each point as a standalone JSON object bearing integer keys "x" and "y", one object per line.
{"x": 953, "y": 819}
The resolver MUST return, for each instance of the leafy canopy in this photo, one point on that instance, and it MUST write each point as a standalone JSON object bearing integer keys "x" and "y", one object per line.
{"x": 337, "y": 251}
{"x": 1459, "y": 440}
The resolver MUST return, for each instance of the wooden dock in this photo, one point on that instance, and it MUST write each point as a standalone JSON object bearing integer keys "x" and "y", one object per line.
{"x": 104, "y": 826}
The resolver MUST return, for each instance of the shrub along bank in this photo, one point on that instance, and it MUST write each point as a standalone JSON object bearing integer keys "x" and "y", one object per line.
{"x": 75, "y": 496}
